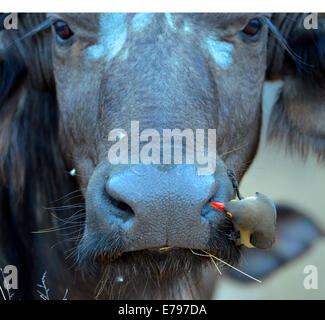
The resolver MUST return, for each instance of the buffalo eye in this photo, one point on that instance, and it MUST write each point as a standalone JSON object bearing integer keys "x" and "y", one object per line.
{"x": 253, "y": 27}
{"x": 62, "y": 30}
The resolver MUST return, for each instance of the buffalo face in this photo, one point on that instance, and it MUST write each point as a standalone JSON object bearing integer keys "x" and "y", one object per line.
{"x": 164, "y": 71}
{"x": 93, "y": 74}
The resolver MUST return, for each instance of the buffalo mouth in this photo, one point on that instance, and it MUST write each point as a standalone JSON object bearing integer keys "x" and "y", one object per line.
{"x": 163, "y": 259}
{"x": 115, "y": 246}
{"x": 98, "y": 253}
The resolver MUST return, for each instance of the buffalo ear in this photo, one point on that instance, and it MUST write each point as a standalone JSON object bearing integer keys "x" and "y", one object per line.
{"x": 298, "y": 117}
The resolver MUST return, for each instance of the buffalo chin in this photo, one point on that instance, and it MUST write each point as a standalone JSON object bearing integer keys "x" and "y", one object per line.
{"x": 150, "y": 273}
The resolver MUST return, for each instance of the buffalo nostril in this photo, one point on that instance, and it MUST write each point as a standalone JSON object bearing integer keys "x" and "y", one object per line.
{"x": 123, "y": 206}
{"x": 121, "y": 209}
{"x": 206, "y": 208}
{"x": 206, "y": 211}
{"x": 118, "y": 192}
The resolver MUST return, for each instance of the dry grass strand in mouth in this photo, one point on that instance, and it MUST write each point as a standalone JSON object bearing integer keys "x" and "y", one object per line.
{"x": 212, "y": 257}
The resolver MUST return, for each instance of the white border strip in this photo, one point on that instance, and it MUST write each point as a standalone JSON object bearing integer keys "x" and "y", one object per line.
{"x": 162, "y": 6}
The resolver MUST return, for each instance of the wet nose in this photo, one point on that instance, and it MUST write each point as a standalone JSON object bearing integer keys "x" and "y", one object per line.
{"x": 161, "y": 207}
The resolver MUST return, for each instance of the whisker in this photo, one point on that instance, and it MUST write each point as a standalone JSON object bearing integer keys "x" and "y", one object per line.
{"x": 70, "y": 220}
{"x": 53, "y": 229}
{"x": 78, "y": 205}
{"x": 69, "y": 199}
{"x": 67, "y": 195}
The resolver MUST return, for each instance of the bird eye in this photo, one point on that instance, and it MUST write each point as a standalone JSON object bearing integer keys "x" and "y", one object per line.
{"x": 62, "y": 30}
{"x": 253, "y": 27}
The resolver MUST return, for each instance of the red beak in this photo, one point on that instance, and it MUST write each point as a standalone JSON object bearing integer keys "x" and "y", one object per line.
{"x": 218, "y": 205}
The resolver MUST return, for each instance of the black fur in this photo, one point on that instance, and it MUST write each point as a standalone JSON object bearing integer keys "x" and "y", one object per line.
{"x": 309, "y": 67}
{"x": 302, "y": 95}
{"x": 13, "y": 73}
{"x": 32, "y": 170}
{"x": 296, "y": 139}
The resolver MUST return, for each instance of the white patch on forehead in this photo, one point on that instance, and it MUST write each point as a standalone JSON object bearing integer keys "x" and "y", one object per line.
{"x": 186, "y": 27}
{"x": 112, "y": 36}
{"x": 141, "y": 20}
{"x": 125, "y": 55}
{"x": 169, "y": 19}
{"x": 220, "y": 51}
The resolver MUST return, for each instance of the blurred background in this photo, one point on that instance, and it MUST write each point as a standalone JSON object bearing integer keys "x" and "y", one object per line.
{"x": 288, "y": 180}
